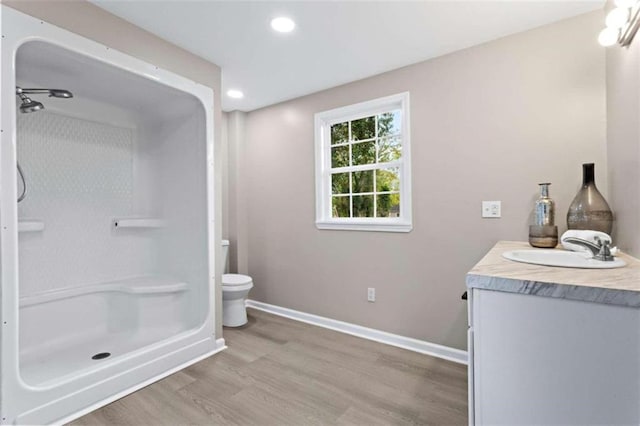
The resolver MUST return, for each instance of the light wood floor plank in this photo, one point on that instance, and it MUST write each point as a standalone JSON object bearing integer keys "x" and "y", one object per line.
{"x": 374, "y": 416}
{"x": 278, "y": 371}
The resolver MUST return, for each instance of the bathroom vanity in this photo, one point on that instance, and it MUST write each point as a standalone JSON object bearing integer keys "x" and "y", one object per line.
{"x": 552, "y": 345}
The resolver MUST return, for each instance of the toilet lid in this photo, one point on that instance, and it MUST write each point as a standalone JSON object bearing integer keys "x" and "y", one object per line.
{"x": 235, "y": 279}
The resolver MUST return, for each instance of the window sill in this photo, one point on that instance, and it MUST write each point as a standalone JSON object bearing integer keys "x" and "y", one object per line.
{"x": 362, "y": 226}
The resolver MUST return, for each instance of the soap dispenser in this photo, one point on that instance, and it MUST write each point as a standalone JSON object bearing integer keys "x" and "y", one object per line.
{"x": 543, "y": 232}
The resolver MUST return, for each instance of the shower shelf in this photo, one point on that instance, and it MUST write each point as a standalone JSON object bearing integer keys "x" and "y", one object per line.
{"x": 139, "y": 222}
{"x": 30, "y": 226}
{"x": 134, "y": 286}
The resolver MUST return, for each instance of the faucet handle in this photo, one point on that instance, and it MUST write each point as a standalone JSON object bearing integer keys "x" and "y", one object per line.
{"x": 605, "y": 250}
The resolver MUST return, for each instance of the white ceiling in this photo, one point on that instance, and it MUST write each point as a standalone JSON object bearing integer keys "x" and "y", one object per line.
{"x": 335, "y": 42}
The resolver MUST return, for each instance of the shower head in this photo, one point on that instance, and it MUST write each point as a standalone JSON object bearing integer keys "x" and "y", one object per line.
{"x": 59, "y": 93}
{"x": 29, "y": 105}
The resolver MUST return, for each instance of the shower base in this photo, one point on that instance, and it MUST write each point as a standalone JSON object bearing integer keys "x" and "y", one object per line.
{"x": 62, "y": 330}
{"x": 48, "y": 366}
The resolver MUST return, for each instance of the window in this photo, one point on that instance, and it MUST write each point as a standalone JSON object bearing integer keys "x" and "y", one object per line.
{"x": 363, "y": 166}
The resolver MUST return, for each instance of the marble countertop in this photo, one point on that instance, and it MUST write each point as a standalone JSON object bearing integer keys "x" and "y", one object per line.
{"x": 620, "y": 286}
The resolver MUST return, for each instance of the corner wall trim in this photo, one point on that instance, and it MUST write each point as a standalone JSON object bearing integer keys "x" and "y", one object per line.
{"x": 421, "y": 346}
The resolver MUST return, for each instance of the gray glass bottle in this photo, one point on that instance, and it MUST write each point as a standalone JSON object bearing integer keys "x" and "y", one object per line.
{"x": 543, "y": 232}
{"x": 589, "y": 209}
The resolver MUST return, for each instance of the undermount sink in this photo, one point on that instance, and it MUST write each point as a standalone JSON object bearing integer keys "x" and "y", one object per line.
{"x": 562, "y": 258}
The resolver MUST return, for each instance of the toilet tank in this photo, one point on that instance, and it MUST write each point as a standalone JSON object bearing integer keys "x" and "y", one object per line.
{"x": 225, "y": 256}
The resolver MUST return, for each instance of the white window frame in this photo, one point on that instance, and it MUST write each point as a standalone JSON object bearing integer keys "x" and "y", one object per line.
{"x": 323, "y": 122}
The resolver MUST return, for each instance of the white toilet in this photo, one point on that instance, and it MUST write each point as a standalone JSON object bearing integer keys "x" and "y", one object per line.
{"x": 235, "y": 289}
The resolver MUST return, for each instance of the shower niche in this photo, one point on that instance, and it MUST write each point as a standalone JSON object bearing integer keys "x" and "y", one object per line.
{"x": 107, "y": 261}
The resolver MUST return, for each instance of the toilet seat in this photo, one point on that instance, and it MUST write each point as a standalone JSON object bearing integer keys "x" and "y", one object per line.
{"x": 236, "y": 282}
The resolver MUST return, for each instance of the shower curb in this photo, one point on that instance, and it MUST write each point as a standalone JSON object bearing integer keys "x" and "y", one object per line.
{"x": 409, "y": 343}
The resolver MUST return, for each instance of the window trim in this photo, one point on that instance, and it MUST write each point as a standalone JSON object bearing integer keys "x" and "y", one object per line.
{"x": 323, "y": 122}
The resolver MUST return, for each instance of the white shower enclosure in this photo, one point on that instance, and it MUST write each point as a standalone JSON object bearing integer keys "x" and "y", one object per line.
{"x": 107, "y": 265}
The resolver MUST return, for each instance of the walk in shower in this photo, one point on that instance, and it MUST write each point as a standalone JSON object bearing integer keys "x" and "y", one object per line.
{"x": 107, "y": 260}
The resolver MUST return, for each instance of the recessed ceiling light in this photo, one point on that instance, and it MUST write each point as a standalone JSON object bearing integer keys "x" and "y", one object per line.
{"x": 235, "y": 94}
{"x": 282, "y": 24}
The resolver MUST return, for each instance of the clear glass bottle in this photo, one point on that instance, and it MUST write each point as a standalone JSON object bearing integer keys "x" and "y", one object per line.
{"x": 545, "y": 207}
{"x": 543, "y": 232}
{"x": 589, "y": 209}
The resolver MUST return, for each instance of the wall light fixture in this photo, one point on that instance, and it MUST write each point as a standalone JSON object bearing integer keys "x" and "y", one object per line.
{"x": 622, "y": 23}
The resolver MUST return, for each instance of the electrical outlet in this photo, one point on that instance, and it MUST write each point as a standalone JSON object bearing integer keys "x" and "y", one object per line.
{"x": 371, "y": 294}
{"x": 491, "y": 209}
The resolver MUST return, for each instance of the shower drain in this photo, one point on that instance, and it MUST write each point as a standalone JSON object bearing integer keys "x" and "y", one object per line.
{"x": 101, "y": 355}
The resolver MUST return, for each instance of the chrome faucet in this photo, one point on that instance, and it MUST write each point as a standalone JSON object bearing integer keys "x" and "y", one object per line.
{"x": 600, "y": 249}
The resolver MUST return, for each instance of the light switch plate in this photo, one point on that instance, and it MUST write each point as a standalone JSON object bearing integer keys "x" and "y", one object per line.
{"x": 491, "y": 209}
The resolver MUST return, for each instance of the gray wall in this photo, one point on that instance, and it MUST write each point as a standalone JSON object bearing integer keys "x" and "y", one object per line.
{"x": 623, "y": 142}
{"x": 488, "y": 123}
{"x": 85, "y": 19}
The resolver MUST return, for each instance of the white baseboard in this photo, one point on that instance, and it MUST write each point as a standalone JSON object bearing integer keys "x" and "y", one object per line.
{"x": 421, "y": 346}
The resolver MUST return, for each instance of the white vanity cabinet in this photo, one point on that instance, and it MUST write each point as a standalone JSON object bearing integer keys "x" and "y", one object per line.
{"x": 553, "y": 345}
